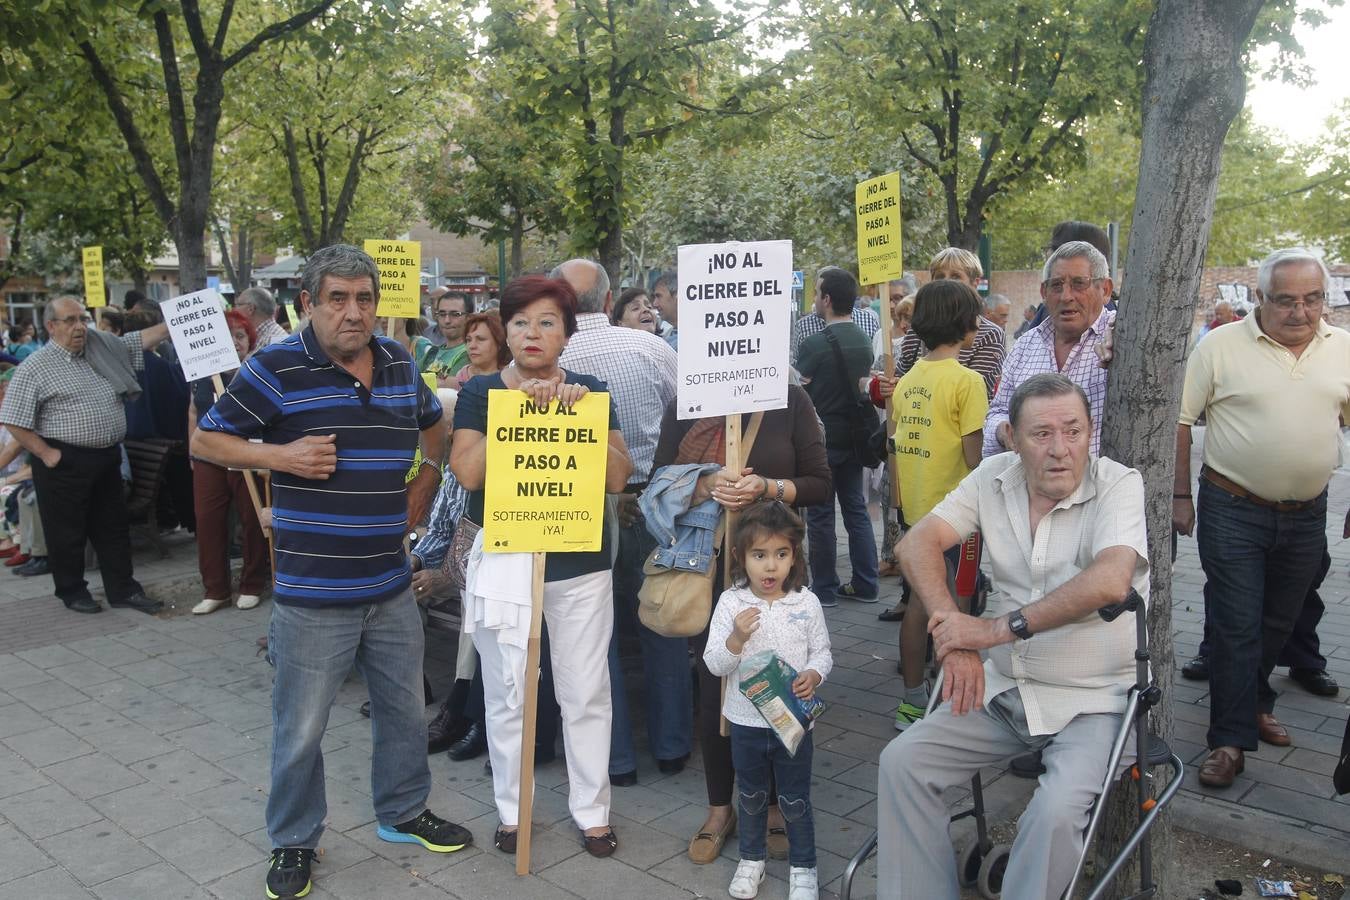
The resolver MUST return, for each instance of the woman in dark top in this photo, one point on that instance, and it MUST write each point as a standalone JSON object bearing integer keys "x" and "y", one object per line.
{"x": 787, "y": 462}
{"x": 539, "y": 315}
{"x": 213, "y": 489}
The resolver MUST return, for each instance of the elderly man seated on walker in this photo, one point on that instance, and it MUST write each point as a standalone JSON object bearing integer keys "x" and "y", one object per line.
{"x": 1064, "y": 533}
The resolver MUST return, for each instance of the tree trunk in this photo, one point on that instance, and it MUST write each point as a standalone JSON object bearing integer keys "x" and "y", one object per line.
{"x": 1194, "y": 88}
{"x": 517, "y": 245}
{"x": 191, "y": 262}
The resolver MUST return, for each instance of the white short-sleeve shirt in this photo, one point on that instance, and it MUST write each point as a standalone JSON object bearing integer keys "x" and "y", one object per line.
{"x": 1083, "y": 667}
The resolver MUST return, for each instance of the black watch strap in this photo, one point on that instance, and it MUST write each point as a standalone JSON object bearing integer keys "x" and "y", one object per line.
{"x": 1017, "y": 624}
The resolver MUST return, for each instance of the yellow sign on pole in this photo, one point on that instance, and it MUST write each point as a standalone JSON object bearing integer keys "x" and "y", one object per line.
{"x": 545, "y": 487}
{"x": 877, "y": 204}
{"x": 400, "y": 265}
{"x": 94, "y": 293}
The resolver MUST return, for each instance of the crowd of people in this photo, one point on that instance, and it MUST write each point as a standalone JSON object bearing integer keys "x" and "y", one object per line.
{"x": 1005, "y": 525}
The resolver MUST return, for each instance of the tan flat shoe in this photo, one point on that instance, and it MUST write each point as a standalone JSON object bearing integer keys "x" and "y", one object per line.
{"x": 706, "y": 846}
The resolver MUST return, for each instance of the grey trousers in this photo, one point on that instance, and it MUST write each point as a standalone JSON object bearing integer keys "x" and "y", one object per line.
{"x": 914, "y": 850}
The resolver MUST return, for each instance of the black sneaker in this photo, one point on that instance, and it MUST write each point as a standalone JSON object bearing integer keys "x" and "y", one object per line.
{"x": 289, "y": 875}
{"x": 429, "y": 830}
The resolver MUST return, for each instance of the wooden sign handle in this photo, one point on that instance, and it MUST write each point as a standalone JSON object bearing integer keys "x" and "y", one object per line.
{"x": 248, "y": 473}
{"x": 888, "y": 366}
{"x": 734, "y": 463}
{"x": 531, "y": 713}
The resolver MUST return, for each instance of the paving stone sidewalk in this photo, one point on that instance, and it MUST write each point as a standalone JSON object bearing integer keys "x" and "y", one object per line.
{"x": 134, "y": 763}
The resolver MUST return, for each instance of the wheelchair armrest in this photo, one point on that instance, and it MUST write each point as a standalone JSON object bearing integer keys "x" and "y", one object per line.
{"x": 1113, "y": 611}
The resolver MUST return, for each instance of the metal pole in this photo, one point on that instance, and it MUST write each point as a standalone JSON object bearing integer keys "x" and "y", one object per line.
{"x": 986, "y": 263}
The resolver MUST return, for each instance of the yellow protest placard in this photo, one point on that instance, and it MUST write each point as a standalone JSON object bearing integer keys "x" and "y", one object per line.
{"x": 400, "y": 265}
{"x": 877, "y": 204}
{"x": 94, "y": 294}
{"x": 545, "y": 488}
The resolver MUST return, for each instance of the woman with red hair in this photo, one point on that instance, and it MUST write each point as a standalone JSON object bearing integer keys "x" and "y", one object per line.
{"x": 539, "y": 315}
{"x": 213, "y": 489}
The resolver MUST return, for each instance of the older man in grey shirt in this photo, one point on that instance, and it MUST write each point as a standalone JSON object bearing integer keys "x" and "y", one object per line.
{"x": 65, "y": 406}
{"x": 1064, "y": 533}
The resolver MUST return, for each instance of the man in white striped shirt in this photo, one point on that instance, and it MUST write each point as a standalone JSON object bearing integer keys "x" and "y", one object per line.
{"x": 639, "y": 370}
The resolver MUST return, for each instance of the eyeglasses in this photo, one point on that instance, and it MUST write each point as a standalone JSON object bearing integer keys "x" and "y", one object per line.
{"x": 69, "y": 321}
{"x": 1056, "y": 285}
{"x": 450, "y": 314}
{"x": 1287, "y": 304}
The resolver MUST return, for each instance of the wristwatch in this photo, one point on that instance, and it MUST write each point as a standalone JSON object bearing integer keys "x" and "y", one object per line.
{"x": 1017, "y": 624}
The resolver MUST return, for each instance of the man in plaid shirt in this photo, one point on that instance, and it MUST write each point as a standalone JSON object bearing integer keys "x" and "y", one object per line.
{"x": 1075, "y": 284}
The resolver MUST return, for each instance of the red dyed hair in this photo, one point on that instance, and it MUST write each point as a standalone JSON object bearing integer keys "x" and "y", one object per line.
{"x": 522, "y": 292}
{"x": 235, "y": 319}
{"x": 493, "y": 324}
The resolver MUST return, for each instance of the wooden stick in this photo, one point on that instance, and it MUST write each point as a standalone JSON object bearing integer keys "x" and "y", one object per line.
{"x": 734, "y": 463}
{"x": 248, "y": 473}
{"x": 888, "y": 366}
{"x": 531, "y": 712}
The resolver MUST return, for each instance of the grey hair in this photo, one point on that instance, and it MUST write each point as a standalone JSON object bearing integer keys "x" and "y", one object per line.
{"x": 906, "y": 284}
{"x": 341, "y": 261}
{"x": 669, "y": 279}
{"x": 1265, "y": 275}
{"x": 994, "y": 301}
{"x": 1046, "y": 384}
{"x": 1073, "y": 250}
{"x": 591, "y": 300}
{"x": 49, "y": 311}
{"x": 260, "y": 298}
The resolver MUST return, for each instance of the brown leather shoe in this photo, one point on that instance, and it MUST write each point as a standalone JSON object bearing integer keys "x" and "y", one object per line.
{"x": 1269, "y": 730}
{"x": 706, "y": 846}
{"x": 1222, "y": 767}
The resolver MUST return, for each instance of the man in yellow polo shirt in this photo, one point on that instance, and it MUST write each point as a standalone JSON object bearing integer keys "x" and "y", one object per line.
{"x": 1273, "y": 389}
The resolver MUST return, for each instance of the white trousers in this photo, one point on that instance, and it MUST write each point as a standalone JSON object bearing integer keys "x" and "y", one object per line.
{"x": 580, "y": 617}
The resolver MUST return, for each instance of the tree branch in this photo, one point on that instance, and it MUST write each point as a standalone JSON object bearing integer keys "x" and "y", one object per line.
{"x": 145, "y": 164}
{"x": 276, "y": 30}
{"x": 226, "y": 11}
{"x": 192, "y": 18}
{"x": 173, "y": 89}
{"x": 298, "y": 188}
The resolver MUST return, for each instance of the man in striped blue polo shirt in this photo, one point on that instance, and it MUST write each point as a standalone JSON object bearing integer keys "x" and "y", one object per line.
{"x": 339, "y": 413}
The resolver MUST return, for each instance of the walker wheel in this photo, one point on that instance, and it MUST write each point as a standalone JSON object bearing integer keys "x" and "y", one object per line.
{"x": 995, "y": 864}
{"x": 968, "y": 865}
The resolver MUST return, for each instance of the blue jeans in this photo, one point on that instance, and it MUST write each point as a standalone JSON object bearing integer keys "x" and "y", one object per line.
{"x": 758, "y": 755}
{"x": 1303, "y": 650}
{"x": 862, "y": 543}
{"x": 313, "y": 650}
{"x": 1259, "y": 565}
{"x": 665, "y": 668}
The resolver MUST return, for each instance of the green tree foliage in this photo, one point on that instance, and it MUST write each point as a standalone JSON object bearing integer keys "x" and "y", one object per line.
{"x": 985, "y": 95}
{"x": 332, "y": 113}
{"x": 494, "y": 169}
{"x": 607, "y": 77}
{"x": 1270, "y": 195}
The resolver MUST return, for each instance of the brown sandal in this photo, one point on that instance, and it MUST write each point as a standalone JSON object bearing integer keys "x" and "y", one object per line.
{"x": 706, "y": 846}
{"x": 505, "y": 841}
{"x": 600, "y": 845}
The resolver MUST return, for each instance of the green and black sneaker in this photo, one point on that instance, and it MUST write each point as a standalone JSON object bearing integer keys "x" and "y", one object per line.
{"x": 289, "y": 875}
{"x": 429, "y": 830}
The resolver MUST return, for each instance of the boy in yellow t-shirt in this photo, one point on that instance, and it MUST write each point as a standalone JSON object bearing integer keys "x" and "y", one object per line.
{"x": 939, "y": 409}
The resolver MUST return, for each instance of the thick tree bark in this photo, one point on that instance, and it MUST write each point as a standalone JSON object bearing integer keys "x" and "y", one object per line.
{"x": 1194, "y": 88}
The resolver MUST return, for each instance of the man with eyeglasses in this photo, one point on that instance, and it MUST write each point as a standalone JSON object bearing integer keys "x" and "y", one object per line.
{"x": 65, "y": 407}
{"x": 1274, "y": 390}
{"x": 1075, "y": 285}
{"x": 451, "y": 311}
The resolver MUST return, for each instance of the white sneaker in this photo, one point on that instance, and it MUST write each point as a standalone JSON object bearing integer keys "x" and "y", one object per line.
{"x": 208, "y": 606}
{"x": 749, "y": 876}
{"x": 802, "y": 884}
{"x": 248, "y": 601}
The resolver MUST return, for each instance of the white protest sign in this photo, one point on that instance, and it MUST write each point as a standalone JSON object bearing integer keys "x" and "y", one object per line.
{"x": 200, "y": 334}
{"x": 735, "y": 314}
